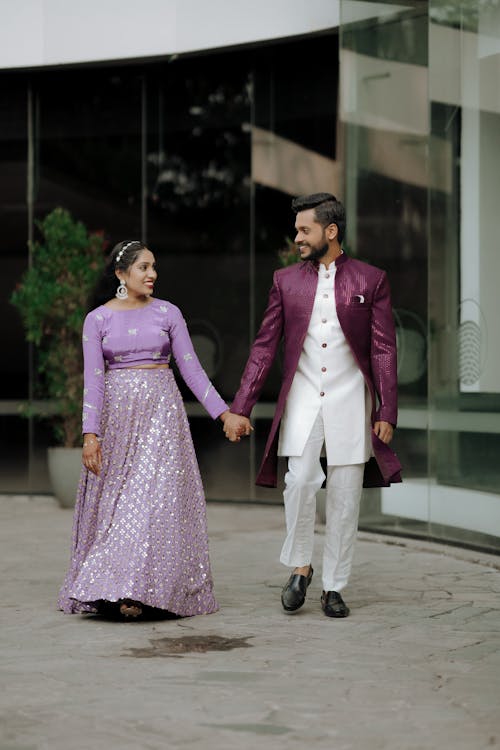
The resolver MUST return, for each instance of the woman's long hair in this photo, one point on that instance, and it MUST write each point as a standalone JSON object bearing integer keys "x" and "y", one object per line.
{"x": 121, "y": 257}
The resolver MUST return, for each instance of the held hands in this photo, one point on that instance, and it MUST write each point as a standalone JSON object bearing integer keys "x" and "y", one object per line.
{"x": 383, "y": 430}
{"x": 91, "y": 456}
{"x": 235, "y": 426}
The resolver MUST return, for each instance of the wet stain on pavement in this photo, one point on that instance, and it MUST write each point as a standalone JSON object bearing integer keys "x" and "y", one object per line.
{"x": 188, "y": 644}
{"x": 253, "y": 728}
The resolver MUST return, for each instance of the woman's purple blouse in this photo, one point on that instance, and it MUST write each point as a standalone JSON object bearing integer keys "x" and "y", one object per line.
{"x": 126, "y": 338}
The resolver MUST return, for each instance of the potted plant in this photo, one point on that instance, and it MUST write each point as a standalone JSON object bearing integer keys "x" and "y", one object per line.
{"x": 51, "y": 298}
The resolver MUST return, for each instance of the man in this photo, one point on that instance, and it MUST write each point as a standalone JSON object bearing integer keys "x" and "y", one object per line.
{"x": 339, "y": 392}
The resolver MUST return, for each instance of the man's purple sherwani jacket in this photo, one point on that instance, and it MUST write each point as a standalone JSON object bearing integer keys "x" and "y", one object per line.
{"x": 364, "y": 310}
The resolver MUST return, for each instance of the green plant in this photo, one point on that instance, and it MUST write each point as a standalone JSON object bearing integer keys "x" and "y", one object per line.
{"x": 51, "y": 299}
{"x": 289, "y": 254}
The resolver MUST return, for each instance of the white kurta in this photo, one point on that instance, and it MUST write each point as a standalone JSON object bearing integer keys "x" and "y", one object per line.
{"x": 327, "y": 379}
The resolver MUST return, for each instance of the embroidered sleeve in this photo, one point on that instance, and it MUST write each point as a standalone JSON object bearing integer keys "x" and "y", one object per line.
{"x": 190, "y": 368}
{"x": 262, "y": 354}
{"x": 93, "y": 373}
{"x": 384, "y": 353}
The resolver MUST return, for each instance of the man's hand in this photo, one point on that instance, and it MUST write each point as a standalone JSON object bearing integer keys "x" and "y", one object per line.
{"x": 235, "y": 426}
{"x": 384, "y": 430}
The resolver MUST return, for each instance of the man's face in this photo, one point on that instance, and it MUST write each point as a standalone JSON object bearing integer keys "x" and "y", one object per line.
{"x": 311, "y": 236}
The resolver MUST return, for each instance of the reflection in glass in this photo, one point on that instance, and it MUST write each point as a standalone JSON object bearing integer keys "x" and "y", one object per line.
{"x": 465, "y": 267}
{"x": 89, "y": 148}
{"x": 423, "y": 207}
{"x": 384, "y": 114}
{"x": 200, "y": 156}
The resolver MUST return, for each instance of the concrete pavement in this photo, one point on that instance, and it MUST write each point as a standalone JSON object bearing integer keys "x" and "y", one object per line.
{"x": 415, "y": 667}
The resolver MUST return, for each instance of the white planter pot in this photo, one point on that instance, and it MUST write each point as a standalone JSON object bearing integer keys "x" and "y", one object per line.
{"x": 65, "y": 465}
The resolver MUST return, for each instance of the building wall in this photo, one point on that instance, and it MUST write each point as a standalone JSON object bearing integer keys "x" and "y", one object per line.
{"x": 56, "y": 32}
{"x": 195, "y": 143}
{"x": 192, "y": 155}
{"x": 420, "y": 105}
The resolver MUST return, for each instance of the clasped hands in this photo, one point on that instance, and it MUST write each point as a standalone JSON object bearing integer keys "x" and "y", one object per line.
{"x": 235, "y": 426}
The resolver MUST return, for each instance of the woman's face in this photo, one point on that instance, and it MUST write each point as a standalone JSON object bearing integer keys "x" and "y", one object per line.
{"x": 141, "y": 275}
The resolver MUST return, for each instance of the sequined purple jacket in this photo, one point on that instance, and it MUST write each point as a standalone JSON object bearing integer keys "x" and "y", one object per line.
{"x": 126, "y": 338}
{"x": 364, "y": 310}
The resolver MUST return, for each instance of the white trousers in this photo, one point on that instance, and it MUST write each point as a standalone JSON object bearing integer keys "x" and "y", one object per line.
{"x": 343, "y": 493}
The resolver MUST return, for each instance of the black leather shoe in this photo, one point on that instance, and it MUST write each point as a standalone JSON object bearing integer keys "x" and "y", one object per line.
{"x": 333, "y": 605}
{"x": 293, "y": 595}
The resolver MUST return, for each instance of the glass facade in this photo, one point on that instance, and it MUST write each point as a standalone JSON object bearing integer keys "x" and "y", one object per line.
{"x": 398, "y": 112}
{"x": 193, "y": 155}
{"x": 420, "y": 109}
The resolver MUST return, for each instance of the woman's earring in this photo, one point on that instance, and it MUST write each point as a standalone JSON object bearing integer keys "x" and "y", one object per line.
{"x": 121, "y": 292}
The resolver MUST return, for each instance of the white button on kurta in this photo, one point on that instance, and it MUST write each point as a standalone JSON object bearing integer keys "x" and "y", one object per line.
{"x": 329, "y": 379}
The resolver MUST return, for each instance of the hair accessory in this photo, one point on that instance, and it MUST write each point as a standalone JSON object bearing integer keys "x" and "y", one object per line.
{"x": 119, "y": 255}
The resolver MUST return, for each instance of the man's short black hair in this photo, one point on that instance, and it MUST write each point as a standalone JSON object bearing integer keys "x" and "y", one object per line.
{"x": 327, "y": 210}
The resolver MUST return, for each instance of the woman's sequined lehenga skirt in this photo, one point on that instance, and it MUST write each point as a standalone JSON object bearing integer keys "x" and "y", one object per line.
{"x": 139, "y": 529}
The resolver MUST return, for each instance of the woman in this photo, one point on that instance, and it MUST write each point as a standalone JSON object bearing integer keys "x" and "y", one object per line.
{"x": 139, "y": 534}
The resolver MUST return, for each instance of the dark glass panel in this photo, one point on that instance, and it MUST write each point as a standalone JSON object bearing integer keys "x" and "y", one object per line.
{"x": 198, "y": 158}
{"x": 89, "y": 148}
{"x": 14, "y": 224}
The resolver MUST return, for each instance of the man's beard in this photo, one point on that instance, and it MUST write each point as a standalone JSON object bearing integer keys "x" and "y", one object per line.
{"x": 317, "y": 252}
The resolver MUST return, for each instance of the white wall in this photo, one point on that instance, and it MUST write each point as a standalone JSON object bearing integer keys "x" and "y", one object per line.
{"x": 427, "y": 500}
{"x": 58, "y": 32}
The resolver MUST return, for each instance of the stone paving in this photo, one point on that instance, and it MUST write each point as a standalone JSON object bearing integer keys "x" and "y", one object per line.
{"x": 415, "y": 667}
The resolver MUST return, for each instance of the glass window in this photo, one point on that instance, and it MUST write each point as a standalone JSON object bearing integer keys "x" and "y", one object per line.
{"x": 198, "y": 189}
{"x": 201, "y": 155}
{"x": 198, "y": 226}
{"x": 89, "y": 148}
{"x": 294, "y": 152}
{"x": 464, "y": 271}
{"x": 88, "y": 154}
{"x": 14, "y": 373}
{"x": 14, "y": 222}
{"x": 384, "y": 106}
{"x": 421, "y": 131}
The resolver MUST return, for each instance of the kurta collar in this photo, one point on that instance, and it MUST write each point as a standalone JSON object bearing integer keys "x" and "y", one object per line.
{"x": 314, "y": 266}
